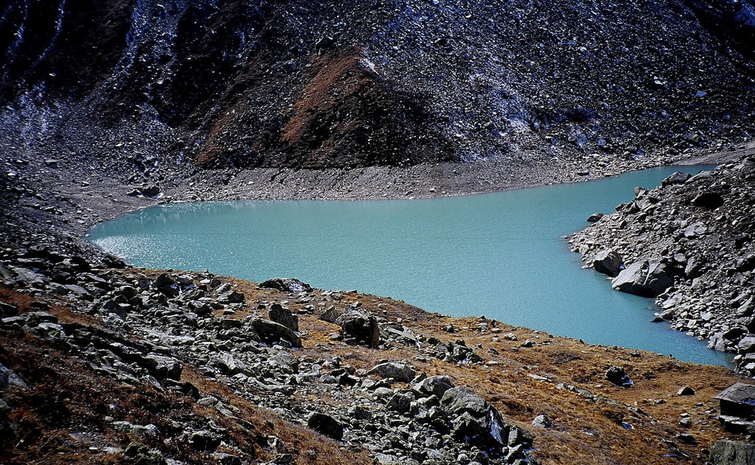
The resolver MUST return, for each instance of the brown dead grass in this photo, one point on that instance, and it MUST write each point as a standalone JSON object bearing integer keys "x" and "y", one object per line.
{"x": 520, "y": 382}
{"x": 586, "y": 431}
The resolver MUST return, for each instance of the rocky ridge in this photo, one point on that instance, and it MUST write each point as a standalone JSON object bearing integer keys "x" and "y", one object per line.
{"x": 689, "y": 244}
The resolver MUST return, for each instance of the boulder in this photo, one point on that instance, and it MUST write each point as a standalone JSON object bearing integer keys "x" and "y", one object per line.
{"x": 647, "y": 278}
{"x": 678, "y": 177}
{"x": 286, "y": 285}
{"x": 595, "y": 217}
{"x": 746, "y": 344}
{"x": 163, "y": 367}
{"x": 150, "y": 191}
{"x": 326, "y": 425}
{"x": 401, "y": 402}
{"x": 685, "y": 391}
{"x": 271, "y": 332}
{"x": 618, "y": 376}
{"x": 434, "y": 385}
{"x": 9, "y": 378}
{"x": 693, "y": 268}
{"x": 542, "y": 421}
{"x": 608, "y": 262}
{"x": 402, "y": 372}
{"x": 232, "y": 297}
{"x": 283, "y": 316}
{"x": 473, "y": 419}
{"x": 360, "y": 328}
{"x": 166, "y": 285}
{"x": 331, "y": 315}
{"x": 732, "y": 453}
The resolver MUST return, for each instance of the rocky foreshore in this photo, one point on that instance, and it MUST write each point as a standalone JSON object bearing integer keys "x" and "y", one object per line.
{"x": 147, "y": 330}
{"x": 689, "y": 244}
{"x": 108, "y": 363}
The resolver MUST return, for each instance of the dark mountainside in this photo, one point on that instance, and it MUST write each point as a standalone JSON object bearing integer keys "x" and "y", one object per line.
{"x": 109, "y": 106}
{"x": 350, "y": 84}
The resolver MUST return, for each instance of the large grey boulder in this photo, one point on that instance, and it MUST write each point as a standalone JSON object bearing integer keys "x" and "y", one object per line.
{"x": 286, "y": 285}
{"x": 359, "y": 328}
{"x": 283, "y": 316}
{"x": 271, "y": 332}
{"x": 401, "y": 402}
{"x": 402, "y": 372}
{"x": 473, "y": 419}
{"x": 608, "y": 262}
{"x": 332, "y": 315}
{"x": 434, "y": 385}
{"x": 647, "y": 278}
{"x": 678, "y": 177}
{"x": 732, "y": 453}
{"x": 163, "y": 367}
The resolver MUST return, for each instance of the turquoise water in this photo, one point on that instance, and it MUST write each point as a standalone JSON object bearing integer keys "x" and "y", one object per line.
{"x": 501, "y": 255}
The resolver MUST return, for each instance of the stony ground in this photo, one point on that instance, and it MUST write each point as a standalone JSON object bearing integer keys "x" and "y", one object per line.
{"x": 138, "y": 366}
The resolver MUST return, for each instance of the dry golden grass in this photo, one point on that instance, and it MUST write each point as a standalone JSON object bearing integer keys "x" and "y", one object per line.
{"x": 612, "y": 425}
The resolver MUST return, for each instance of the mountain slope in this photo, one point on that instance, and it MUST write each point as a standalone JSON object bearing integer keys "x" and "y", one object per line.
{"x": 417, "y": 80}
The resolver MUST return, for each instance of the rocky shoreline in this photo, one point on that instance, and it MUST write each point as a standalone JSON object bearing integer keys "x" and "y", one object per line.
{"x": 166, "y": 367}
{"x": 210, "y": 343}
{"x": 689, "y": 244}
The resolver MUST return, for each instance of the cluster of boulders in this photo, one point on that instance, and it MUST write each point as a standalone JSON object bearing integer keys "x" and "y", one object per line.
{"x": 688, "y": 243}
{"x": 153, "y": 325}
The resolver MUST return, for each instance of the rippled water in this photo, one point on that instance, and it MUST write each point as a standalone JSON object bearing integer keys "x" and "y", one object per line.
{"x": 501, "y": 255}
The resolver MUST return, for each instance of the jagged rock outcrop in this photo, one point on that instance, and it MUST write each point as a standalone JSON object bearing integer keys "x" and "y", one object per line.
{"x": 699, "y": 231}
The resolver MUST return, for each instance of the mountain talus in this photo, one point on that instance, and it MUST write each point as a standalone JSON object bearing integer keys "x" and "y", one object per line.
{"x": 395, "y": 82}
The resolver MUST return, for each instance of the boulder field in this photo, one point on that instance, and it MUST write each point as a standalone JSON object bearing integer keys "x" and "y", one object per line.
{"x": 104, "y": 363}
{"x": 688, "y": 244}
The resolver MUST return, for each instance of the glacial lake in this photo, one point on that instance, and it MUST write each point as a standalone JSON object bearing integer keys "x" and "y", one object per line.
{"x": 501, "y": 255}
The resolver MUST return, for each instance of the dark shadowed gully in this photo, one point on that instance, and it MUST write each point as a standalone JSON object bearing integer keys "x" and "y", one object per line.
{"x": 115, "y": 105}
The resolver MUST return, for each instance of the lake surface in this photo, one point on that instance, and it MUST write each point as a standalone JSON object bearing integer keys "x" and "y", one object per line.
{"x": 501, "y": 255}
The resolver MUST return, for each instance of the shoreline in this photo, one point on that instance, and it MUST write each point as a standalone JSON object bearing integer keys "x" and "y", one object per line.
{"x": 455, "y": 310}
{"x": 523, "y": 373}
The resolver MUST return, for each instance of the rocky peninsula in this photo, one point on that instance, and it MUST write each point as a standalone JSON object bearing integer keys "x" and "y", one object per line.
{"x": 688, "y": 243}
